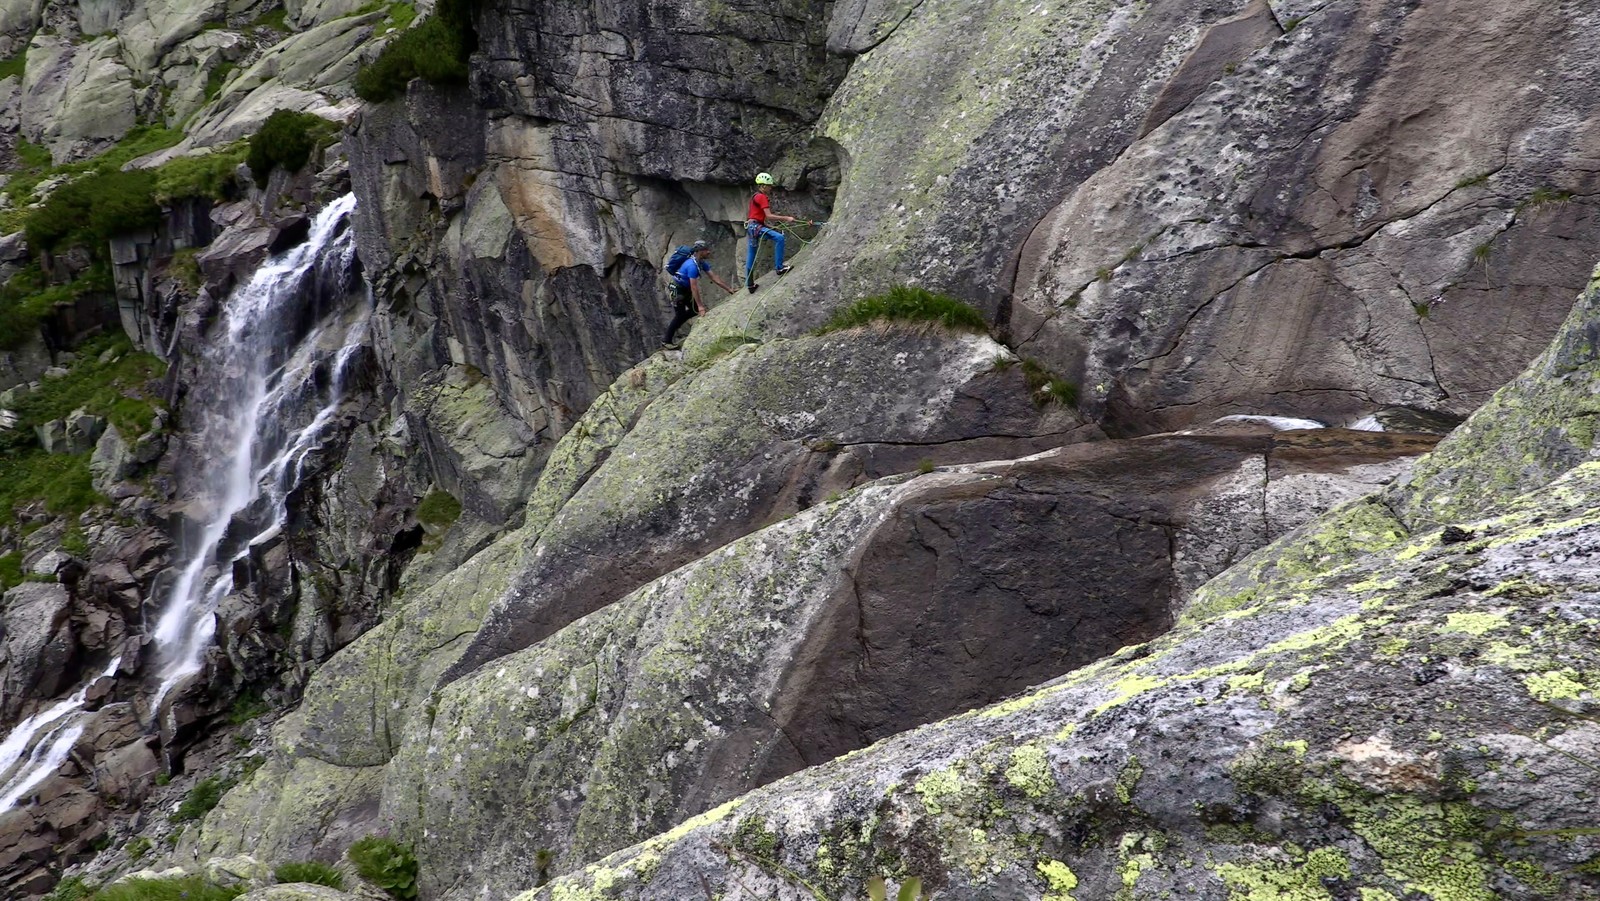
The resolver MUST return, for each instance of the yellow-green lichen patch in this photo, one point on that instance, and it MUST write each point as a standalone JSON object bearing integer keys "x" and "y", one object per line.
{"x": 1247, "y": 682}
{"x": 1060, "y": 879}
{"x": 1431, "y": 847}
{"x": 1127, "y": 688}
{"x": 1534, "y": 876}
{"x": 1500, "y": 653}
{"x": 1557, "y": 685}
{"x": 1029, "y": 771}
{"x": 1128, "y": 780}
{"x": 936, "y": 787}
{"x": 1392, "y": 647}
{"x": 1473, "y": 623}
{"x": 1277, "y": 880}
{"x": 1137, "y": 853}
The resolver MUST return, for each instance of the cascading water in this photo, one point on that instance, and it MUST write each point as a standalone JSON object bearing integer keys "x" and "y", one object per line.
{"x": 41, "y": 743}
{"x": 285, "y": 344}
{"x": 288, "y": 339}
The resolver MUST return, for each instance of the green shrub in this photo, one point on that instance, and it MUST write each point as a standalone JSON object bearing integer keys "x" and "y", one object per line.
{"x": 1046, "y": 386}
{"x": 246, "y": 707}
{"x": 724, "y": 345}
{"x": 175, "y": 888}
{"x": 398, "y": 17}
{"x": 311, "y": 871}
{"x": 25, "y": 301}
{"x": 436, "y": 51}
{"x": 141, "y": 141}
{"x": 10, "y": 570}
{"x": 94, "y": 208}
{"x": 908, "y": 304}
{"x": 15, "y": 65}
{"x": 218, "y": 77}
{"x": 286, "y": 139}
{"x": 138, "y": 848}
{"x": 200, "y": 800}
{"x": 185, "y": 268}
{"x": 117, "y": 389}
{"x": 61, "y": 481}
{"x": 386, "y": 864}
{"x": 211, "y": 175}
{"x": 276, "y": 20}
{"x": 72, "y": 888}
{"x": 438, "y": 509}
{"x": 32, "y": 156}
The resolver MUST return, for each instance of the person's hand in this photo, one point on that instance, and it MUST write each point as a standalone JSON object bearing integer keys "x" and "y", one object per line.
{"x": 702, "y": 311}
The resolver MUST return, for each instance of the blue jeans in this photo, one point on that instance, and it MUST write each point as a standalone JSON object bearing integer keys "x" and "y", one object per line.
{"x": 754, "y": 233}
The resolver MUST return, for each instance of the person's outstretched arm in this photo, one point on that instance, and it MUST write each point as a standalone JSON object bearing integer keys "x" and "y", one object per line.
{"x": 694, "y": 288}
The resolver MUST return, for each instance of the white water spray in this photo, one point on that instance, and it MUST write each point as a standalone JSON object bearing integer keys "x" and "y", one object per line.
{"x": 1277, "y": 423}
{"x": 253, "y": 379}
{"x": 46, "y": 738}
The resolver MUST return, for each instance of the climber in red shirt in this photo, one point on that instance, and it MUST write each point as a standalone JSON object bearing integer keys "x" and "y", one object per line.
{"x": 755, "y": 228}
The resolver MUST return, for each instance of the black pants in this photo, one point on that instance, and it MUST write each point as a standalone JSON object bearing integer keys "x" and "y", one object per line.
{"x": 683, "y": 309}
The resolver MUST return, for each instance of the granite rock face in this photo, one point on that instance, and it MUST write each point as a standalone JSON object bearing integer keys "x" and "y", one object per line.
{"x": 864, "y": 614}
{"x": 1339, "y": 220}
{"x": 1360, "y": 709}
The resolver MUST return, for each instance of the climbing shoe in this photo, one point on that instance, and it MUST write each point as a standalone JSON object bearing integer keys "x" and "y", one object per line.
{"x": 784, "y": 271}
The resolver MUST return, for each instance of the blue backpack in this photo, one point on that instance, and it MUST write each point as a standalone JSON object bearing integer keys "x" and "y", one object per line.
{"x": 678, "y": 258}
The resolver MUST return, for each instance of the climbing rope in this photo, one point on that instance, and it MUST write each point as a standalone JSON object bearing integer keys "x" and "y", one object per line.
{"x": 790, "y": 230}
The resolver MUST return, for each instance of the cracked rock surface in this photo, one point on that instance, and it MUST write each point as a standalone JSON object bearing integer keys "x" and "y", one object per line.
{"x": 1387, "y": 204}
{"x": 1361, "y": 710}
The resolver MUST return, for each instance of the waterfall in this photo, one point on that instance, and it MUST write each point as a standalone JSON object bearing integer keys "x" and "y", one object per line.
{"x": 46, "y": 738}
{"x": 285, "y": 344}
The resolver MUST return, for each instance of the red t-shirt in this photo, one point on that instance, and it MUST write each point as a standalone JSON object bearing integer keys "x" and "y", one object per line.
{"x": 759, "y": 205}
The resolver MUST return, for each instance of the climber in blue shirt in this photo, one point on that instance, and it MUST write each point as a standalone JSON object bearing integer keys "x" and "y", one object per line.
{"x": 686, "y": 288}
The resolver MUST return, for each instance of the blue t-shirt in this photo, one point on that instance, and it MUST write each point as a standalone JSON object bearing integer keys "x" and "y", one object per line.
{"x": 691, "y": 269}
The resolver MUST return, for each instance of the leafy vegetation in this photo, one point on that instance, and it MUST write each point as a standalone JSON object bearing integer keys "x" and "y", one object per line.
{"x": 24, "y": 302}
{"x": 72, "y": 888}
{"x": 438, "y": 509}
{"x": 907, "y": 304}
{"x": 174, "y": 888}
{"x": 1543, "y": 197}
{"x": 397, "y": 16}
{"x": 15, "y": 65}
{"x": 10, "y": 571}
{"x": 35, "y": 164}
{"x": 435, "y": 51}
{"x": 286, "y": 139}
{"x": 92, "y": 209}
{"x": 724, "y": 345}
{"x": 185, "y": 268}
{"x": 309, "y": 871}
{"x": 218, "y": 77}
{"x": 61, "y": 482}
{"x": 1047, "y": 387}
{"x": 138, "y": 848}
{"x": 201, "y": 799}
{"x": 276, "y": 20}
{"x": 246, "y": 707}
{"x": 386, "y": 864}
{"x": 201, "y": 176}
{"x": 118, "y": 389}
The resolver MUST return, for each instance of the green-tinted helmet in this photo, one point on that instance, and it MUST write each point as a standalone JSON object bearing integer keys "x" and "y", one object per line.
{"x": 764, "y": 178}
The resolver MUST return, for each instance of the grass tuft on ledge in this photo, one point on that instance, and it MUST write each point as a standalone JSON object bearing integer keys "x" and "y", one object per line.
{"x": 909, "y": 304}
